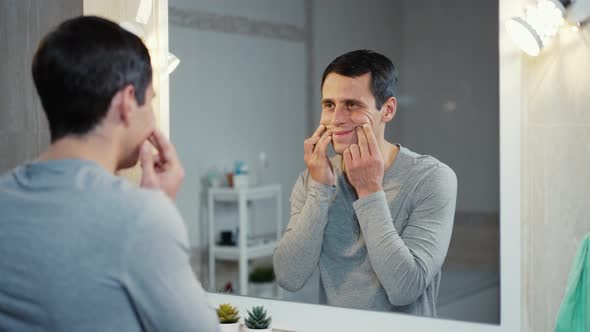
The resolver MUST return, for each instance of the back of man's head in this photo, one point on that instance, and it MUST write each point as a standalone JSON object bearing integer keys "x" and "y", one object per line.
{"x": 384, "y": 81}
{"x": 80, "y": 66}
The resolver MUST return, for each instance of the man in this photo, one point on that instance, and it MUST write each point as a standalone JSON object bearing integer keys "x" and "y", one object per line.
{"x": 82, "y": 249}
{"x": 376, "y": 219}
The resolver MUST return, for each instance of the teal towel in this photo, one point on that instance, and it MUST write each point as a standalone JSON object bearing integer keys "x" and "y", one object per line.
{"x": 574, "y": 313}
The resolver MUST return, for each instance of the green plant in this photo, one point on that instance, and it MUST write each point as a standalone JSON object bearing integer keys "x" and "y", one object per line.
{"x": 257, "y": 319}
{"x": 228, "y": 314}
{"x": 262, "y": 274}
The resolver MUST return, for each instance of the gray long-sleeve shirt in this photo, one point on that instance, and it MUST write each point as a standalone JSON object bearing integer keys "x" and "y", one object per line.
{"x": 382, "y": 252}
{"x": 84, "y": 250}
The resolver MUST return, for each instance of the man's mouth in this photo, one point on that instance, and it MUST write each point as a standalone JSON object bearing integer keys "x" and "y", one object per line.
{"x": 342, "y": 132}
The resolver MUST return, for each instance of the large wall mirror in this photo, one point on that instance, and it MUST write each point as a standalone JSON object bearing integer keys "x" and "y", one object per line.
{"x": 247, "y": 94}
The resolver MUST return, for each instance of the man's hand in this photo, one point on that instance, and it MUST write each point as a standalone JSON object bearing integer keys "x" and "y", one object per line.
{"x": 162, "y": 170}
{"x": 316, "y": 157}
{"x": 364, "y": 163}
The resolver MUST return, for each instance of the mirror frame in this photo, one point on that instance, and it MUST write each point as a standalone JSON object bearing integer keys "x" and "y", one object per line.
{"x": 311, "y": 317}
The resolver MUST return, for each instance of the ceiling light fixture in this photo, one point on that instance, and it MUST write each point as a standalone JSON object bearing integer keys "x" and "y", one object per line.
{"x": 541, "y": 22}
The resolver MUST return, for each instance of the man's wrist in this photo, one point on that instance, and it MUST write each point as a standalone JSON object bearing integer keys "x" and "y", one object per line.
{"x": 368, "y": 191}
{"x": 325, "y": 182}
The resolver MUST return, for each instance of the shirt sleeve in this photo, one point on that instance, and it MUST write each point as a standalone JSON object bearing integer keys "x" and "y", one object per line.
{"x": 406, "y": 263}
{"x": 298, "y": 252}
{"x": 158, "y": 277}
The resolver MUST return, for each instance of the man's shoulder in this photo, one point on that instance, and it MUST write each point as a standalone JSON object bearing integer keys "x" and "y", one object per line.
{"x": 426, "y": 175}
{"x": 146, "y": 203}
{"x": 121, "y": 194}
{"x": 82, "y": 186}
{"x": 146, "y": 211}
{"x": 421, "y": 165}
{"x": 135, "y": 196}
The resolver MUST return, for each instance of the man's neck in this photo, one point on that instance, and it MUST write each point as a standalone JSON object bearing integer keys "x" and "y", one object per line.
{"x": 93, "y": 148}
{"x": 389, "y": 152}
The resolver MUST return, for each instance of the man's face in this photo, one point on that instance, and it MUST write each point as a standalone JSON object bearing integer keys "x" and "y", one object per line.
{"x": 142, "y": 124}
{"x": 347, "y": 103}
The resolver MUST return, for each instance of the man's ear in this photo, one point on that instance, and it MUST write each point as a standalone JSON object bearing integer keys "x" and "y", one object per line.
{"x": 388, "y": 109}
{"x": 127, "y": 103}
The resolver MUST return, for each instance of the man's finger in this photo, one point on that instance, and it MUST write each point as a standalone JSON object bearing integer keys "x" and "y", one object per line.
{"x": 156, "y": 159}
{"x": 347, "y": 157}
{"x": 316, "y": 149}
{"x": 371, "y": 140}
{"x": 355, "y": 151}
{"x": 365, "y": 151}
{"x": 318, "y": 132}
{"x": 147, "y": 165}
{"x": 322, "y": 147}
{"x": 146, "y": 155}
{"x": 309, "y": 145}
{"x": 314, "y": 139}
{"x": 152, "y": 139}
{"x": 165, "y": 148}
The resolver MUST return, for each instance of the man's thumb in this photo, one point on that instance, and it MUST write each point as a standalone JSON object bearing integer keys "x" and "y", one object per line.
{"x": 146, "y": 158}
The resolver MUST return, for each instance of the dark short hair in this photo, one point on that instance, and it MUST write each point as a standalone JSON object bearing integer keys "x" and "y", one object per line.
{"x": 80, "y": 66}
{"x": 384, "y": 81}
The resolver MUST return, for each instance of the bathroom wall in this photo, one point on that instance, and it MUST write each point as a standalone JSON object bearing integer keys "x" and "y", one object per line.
{"x": 449, "y": 86}
{"x": 239, "y": 91}
{"x": 23, "y": 128}
{"x": 555, "y": 173}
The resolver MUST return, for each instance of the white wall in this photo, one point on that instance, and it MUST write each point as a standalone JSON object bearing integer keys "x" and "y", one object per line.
{"x": 351, "y": 25}
{"x": 240, "y": 95}
{"x": 277, "y": 11}
{"x": 555, "y": 176}
{"x": 449, "y": 78}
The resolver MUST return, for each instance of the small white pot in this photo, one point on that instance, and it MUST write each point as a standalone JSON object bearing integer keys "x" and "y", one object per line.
{"x": 234, "y": 327}
{"x": 241, "y": 181}
{"x": 247, "y": 329}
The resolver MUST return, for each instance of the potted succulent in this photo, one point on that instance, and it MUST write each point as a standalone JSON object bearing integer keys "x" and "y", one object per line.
{"x": 229, "y": 318}
{"x": 257, "y": 321}
{"x": 262, "y": 281}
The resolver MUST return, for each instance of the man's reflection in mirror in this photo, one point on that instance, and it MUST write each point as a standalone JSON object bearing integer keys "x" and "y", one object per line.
{"x": 376, "y": 218}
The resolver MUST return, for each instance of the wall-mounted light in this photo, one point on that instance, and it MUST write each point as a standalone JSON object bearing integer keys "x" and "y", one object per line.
{"x": 137, "y": 27}
{"x": 173, "y": 62}
{"x": 541, "y": 21}
{"x": 144, "y": 11}
{"x": 142, "y": 17}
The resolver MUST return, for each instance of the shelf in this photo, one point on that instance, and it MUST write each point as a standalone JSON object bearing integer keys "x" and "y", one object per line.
{"x": 254, "y": 251}
{"x": 251, "y": 193}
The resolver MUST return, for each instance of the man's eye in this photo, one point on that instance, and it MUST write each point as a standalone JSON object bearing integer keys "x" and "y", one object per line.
{"x": 328, "y": 105}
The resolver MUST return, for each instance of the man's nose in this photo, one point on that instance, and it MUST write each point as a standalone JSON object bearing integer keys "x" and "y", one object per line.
{"x": 340, "y": 115}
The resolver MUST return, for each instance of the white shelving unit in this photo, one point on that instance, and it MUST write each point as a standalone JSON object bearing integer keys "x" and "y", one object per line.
{"x": 243, "y": 252}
